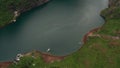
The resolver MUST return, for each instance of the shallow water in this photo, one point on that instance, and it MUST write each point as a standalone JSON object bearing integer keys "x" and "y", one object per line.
{"x": 59, "y": 25}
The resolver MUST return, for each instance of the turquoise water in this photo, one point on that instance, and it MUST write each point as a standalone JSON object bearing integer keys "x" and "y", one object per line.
{"x": 59, "y": 25}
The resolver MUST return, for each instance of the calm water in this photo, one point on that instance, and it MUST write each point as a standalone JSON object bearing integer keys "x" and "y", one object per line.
{"x": 59, "y": 25}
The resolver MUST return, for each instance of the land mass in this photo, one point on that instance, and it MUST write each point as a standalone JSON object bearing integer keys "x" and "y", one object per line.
{"x": 100, "y": 50}
{"x": 12, "y": 9}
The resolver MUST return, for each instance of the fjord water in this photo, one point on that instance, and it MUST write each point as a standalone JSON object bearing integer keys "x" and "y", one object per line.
{"x": 59, "y": 25}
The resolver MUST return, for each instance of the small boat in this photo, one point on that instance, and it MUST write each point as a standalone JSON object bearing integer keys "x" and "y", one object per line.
{"x": 48, "y": 49}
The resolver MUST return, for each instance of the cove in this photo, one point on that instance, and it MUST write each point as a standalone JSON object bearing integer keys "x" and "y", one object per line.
{"x": 59, "y": 25}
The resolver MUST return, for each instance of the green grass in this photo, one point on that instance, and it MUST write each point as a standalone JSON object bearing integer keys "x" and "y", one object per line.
{"x": 111, "y": 27}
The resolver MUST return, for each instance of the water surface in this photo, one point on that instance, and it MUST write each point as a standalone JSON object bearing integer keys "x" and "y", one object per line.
{"x": 59, "y": 25}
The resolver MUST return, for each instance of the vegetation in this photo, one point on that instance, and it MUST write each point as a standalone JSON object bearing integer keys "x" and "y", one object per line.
{"x": 7, "y": 8}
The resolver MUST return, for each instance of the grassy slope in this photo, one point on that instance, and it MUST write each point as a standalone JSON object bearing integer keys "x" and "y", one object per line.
{"x": 7, "y": 8}
{"x": 5, "y": 15}
{"x": 98, "y": 52}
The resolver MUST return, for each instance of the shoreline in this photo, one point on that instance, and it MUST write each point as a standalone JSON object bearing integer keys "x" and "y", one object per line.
{"x": 85, "y": 37}
{"x": 49, "y": 58}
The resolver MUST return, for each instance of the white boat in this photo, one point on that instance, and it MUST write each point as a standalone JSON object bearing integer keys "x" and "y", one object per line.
{"x": 48, "y": 49}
